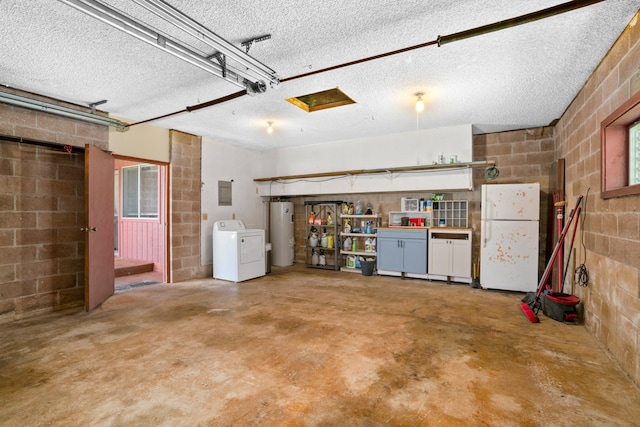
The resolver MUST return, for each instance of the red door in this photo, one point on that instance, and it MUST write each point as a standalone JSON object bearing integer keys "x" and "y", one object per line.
{"x": 99, "y": 272}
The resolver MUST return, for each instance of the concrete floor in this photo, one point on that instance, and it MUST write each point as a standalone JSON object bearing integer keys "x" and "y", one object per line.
{"x": 304, "y": 347}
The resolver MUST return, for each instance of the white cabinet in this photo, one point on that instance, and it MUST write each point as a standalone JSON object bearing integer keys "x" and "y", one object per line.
{"x": 450, "y": 254}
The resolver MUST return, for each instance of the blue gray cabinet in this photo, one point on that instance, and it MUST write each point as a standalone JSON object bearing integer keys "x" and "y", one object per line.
{"x": 402, "y": 250}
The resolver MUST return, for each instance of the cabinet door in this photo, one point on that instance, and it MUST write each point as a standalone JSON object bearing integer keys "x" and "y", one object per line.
{"x": 461, "y": 258}
{"x": 389, "y": 254}
{"x": 439, "y": 257}
{"x": 415, "y": 256}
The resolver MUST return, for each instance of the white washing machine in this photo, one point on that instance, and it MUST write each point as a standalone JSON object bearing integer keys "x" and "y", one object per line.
{"x": 238, "y": 253}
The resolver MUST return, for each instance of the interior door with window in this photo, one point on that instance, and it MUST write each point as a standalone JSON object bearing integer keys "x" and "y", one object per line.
{"x": 99, "y": 274}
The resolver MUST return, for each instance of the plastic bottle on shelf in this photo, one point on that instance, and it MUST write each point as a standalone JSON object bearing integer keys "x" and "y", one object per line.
{"x": 373, "y": 245}
{"x": 314, "y": 257}
{"x": 347, "y": 226}
{"x": 367, "y": 245}
{"x": 354, "y": 245}
{"x": 358, "y": 207}
{"x": 347, "y": 244}
{"x": 313, "y": 239}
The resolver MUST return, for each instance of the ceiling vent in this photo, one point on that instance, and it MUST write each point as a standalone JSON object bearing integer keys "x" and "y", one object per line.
{"x": 321, "y": 100}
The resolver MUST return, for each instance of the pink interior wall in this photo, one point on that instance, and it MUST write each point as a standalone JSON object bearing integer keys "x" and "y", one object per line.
{"x": 142, "y": 239}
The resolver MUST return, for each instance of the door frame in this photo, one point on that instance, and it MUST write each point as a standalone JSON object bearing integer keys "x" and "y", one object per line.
{"x": 166, "y": 274}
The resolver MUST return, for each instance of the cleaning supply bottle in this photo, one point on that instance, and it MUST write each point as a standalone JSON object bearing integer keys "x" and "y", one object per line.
{"x": 358, "y": 207}
{"x": 354, "y": 244}
{"x": 324, "y": 240}
{"x": 313, "y": 239}
{"x": 367, "y": 245}
{"x": 347, "y": 244}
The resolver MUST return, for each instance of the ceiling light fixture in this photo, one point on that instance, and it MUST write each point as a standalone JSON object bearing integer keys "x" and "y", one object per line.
{"x": 270, "y": 127}
{"x": 419, "y": 102}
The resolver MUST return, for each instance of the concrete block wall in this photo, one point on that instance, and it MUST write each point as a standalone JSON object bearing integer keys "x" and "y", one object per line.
{"x": 41, "y": 211}
{"x": 611, "y": 227}
{"x": 185, "y": 183}
{"x": 521, "y": 156}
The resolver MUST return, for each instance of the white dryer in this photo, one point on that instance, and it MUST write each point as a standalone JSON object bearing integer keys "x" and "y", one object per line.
{"x": 238, "y": 253}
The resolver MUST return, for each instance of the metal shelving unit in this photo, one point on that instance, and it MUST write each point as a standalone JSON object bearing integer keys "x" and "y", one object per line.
{"x": 325, "y": 220}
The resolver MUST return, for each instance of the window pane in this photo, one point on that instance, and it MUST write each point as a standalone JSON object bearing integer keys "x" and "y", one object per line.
{"x": 634, "y": 154}
{"x": 149, "y": 191}
{"x": 130, "y": 192}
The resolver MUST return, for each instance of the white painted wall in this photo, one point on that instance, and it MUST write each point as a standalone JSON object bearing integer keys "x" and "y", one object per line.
{"x": 385, "y": 151}
{"x": 222, "y": 162}
{"x": 141, "y": 141}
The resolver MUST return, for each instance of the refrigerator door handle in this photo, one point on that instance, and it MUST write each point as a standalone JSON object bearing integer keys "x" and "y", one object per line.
{"x": 483, "y": 216}
{"x": 483, "y": 233}
{"x": 483, "y": 203}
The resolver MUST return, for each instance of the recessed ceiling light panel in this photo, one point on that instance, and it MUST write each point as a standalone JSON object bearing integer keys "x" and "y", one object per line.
{"x": 321, "y": 100}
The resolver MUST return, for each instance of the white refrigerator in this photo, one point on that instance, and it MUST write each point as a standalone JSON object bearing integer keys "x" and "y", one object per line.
{"x": 509, "y": 236}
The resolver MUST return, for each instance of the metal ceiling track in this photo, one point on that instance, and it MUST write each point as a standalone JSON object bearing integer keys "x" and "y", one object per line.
{"x": 250, "y": 74}
{"x": 254, "y": 69}
{"x": 437, "y": 167}
{"x": 47, "y": 107}
{"x": 496, "y": 26}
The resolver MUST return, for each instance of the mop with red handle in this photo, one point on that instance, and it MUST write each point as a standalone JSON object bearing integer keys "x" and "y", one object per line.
{"x": 530, "y": 304}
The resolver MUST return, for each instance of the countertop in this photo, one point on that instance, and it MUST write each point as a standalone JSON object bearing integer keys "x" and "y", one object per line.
{"x": 400, "y": 227}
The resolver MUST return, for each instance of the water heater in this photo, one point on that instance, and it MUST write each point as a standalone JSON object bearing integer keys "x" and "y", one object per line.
{"x": 281, "y": 234}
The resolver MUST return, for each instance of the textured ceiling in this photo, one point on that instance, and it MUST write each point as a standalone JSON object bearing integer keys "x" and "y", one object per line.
{"x": 519, "y": 77}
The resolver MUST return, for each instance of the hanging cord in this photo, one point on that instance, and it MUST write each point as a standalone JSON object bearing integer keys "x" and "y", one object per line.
{"x": 492, "y": 173}
{"x": 581, "y": 273}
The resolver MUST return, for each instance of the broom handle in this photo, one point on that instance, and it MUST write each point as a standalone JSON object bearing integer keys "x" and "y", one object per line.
{"x": 573, "y": 237}
{"x": 552, "y": 260}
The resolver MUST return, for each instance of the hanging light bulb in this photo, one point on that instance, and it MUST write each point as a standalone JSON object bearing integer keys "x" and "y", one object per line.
{"x": 419, "y": 102}
{"x": 270, "y": 128}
